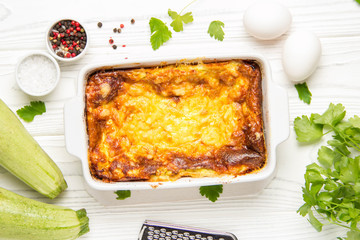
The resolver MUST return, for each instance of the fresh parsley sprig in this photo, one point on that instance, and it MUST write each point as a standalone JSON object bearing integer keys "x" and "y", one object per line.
{"x": 178, "y": 20}
{"x": 303, "y": 92}
{"x": 161, "y": 34}
{"x": 123, "y": 194}
{"x": 211, "y": 192}
{"x": 27, "y": 113}
{"x": 216, "y": 30}
{"x": 332, "y": 187}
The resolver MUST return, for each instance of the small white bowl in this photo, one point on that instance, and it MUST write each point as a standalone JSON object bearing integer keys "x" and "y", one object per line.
{"x": 49, "y": 44}
{"x": 37, "y": 73}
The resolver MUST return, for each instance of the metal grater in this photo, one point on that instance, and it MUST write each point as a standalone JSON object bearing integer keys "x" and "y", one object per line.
{"x": 152, "y": 230}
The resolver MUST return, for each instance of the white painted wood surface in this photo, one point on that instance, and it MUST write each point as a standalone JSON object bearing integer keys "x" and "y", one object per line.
{"x": 269, "y": 215}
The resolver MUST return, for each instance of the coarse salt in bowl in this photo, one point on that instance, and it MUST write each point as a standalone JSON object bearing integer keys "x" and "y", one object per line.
{"x": 37, "y": 74}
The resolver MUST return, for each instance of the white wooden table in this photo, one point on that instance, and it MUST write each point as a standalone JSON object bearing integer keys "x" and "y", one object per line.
{"x": 269, "y": 215}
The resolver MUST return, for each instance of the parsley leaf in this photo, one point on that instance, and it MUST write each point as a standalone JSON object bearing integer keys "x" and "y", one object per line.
{"x": 332, "y": 190}
{"x": 355, "y": 122}
{"x": 304, "y": 209}
{"x": 326, "y": 156}
{"x": 178, "y": 20}
{"x": 216, "y": 30}
{"x": 333, "y": 115}
{"x": 306, "y": 130}
{"x": 314, "y": 221}
{"x": 353, "y": 235}
{"x": 303, "y": 92}
{"x": 211, "y": 192}
{"x": 339, "y": 147}
{"x": 27, "y": 113}
{"x": 159, "y": 33}
{"x": 123, "y": 194}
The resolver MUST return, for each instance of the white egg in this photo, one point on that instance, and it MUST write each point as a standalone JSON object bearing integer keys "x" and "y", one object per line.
{"x": 267, "y": 20}
{"x": 301, "y": 55}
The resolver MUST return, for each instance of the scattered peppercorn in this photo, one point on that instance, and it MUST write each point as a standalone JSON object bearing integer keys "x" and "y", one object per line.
{"x": 115, "y": 30}
{"x": 123, "y": 45}
{"x": 121, "y": 25}
{"x": 132, "y": 21}
{"x": 114, "y": 46}
{"x": 111, "y": 41}
{"x": 119, "y": 30}
{"x": 65, "y": 35}
{"x": 99, "y": 24}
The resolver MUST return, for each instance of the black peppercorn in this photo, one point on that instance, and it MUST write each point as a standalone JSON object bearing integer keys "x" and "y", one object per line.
{"x": 132, "y": 21}
{"x": 99, "y": 24}
{"x": 114, "y": 46}
{"x": 60, "y": 54}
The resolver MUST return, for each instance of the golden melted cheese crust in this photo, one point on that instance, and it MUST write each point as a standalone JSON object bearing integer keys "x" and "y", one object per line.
{"x": 163, "y": 123}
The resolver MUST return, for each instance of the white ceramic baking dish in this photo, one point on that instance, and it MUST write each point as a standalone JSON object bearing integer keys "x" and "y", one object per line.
{"x": 275, "y": 115}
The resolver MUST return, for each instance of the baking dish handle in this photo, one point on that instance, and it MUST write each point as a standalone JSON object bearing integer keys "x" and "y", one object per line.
{"x": 74, "y": 127}
{"x": 280, "y": 106}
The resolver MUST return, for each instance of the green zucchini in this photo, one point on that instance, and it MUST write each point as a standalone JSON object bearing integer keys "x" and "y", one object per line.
{"x": 22, "y": 156}
{"x": 24, "y": 218}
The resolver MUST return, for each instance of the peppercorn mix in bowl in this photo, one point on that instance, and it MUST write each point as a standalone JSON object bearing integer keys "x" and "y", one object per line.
{"x": 67, "y": 40}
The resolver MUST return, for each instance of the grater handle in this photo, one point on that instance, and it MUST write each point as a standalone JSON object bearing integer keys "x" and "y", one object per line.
{"x": 153, "y": 230}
